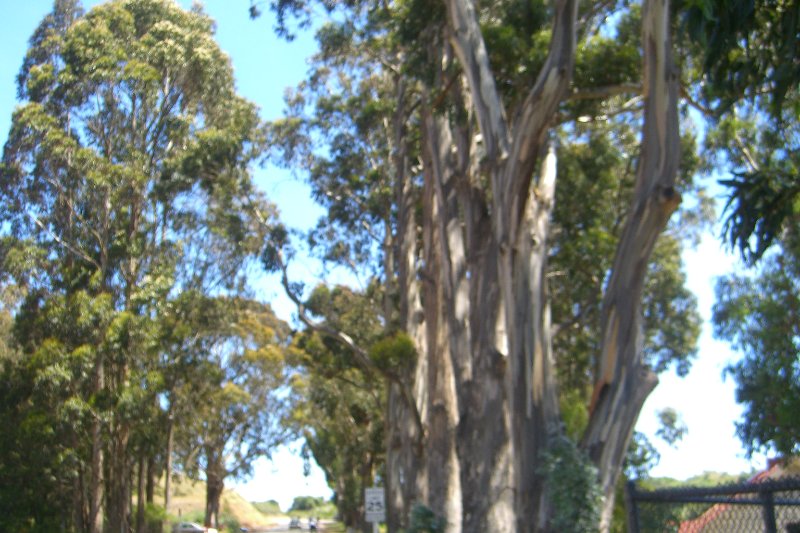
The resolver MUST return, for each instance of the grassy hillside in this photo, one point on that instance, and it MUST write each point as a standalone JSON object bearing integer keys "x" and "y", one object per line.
{"x": 188, "y": 503}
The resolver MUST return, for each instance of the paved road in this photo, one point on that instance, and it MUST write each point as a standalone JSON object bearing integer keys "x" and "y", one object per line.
{"x": 285, "y": 528}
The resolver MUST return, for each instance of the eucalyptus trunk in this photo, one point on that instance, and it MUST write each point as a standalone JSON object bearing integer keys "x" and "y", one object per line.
{"x": 406, "y": 477}
{"x": 95, "y": 492}
{"x": 622, "y": 379}
{"x": 215, "y": 484}
{"x": 141, "y": 479}
{"x": 484, "y": 388}
{"x": 118, "y": 481}
{"x": 168, "y": 458}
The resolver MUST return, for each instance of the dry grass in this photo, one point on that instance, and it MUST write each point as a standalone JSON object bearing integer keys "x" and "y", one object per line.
{"x": 189, "y": 498}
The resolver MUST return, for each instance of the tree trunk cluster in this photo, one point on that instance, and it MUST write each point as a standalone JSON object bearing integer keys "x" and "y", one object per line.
{"x": 472, "y": 423}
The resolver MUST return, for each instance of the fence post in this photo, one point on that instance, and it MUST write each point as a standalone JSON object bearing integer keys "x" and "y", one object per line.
{"x": 632, "y": 507}
{"x": 769, "y": 512}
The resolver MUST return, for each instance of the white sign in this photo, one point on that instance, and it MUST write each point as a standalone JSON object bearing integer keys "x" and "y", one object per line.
{"x": 374, "y": 504}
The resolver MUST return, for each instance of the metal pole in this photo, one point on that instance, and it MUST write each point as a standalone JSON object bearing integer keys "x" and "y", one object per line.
{"x": 769, "y": 512}
{"x": 632, "y": 506}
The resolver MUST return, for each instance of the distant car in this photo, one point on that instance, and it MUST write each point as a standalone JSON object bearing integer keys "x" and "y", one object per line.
{"x": 192, "y": 527}
{"x": 294, "y": 523}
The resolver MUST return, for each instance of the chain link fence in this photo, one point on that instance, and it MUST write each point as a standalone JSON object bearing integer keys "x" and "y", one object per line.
{"x": 764, "y": 506}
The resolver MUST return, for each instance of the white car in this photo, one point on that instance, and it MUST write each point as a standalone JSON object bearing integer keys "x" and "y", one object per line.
{"x": 192, "y": 527}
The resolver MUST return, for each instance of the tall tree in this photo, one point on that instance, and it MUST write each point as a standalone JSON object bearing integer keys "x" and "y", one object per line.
{"x": 339, "y": 407}
{"x": 243, "y": 409}
{"x": 439, "y": 141}
{"x": 124, "y": 179}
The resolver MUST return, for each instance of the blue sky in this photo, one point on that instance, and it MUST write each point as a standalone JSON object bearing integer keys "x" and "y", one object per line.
{"x": 264, "y": 67}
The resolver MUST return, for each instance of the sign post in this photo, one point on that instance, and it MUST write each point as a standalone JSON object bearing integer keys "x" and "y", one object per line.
{"x": 375, "y": 506}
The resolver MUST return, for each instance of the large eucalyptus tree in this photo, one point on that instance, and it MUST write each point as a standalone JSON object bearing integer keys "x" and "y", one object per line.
{"x": 438, "y": 125}
{"x": 124, "y": 181}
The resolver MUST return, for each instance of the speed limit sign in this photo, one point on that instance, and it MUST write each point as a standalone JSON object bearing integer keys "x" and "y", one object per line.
{"x": 374, "y": 504}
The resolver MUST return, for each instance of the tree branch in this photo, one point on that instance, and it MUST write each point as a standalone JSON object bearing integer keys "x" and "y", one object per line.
{"x": 707, "y": 111}
{"x": 345, "y": 339}
{"x": 598, "y": 93}
{"x": 61, "y": 242}
{"x": 470, "y": 48}
{"x": 535, "y": 115}
{"x": 361, "y": 354}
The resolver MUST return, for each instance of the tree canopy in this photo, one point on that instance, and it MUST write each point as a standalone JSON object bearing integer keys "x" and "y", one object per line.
{"x": 503, "y": 175}
{"x": 503, "y": 171}
{"x": 126, "y": 202}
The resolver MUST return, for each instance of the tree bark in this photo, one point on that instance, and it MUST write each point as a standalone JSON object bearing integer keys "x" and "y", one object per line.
{"x": 215, "y": 484}
{"x": 118, "y": 481}
{"x": 405, "y": 413}
{"x": 95, "y": 519}
{"x": 535, "y": 412}
{"x": 509, "y": 404}
{"x": 140, "y": 495}
{"x": 168, "y": 461}
{"x": 150, "y": 489}
{"x": 443, "y": 476}
{"x": 622, "y": 379}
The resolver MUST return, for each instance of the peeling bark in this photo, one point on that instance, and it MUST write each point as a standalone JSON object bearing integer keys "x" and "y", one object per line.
{"x": 622, "y": 379}
{"x": 513, "y": 408}
{"x": 443, "y": 474}
{"x": 469, "y": 424}
{"x": 534, "y": 407}
{"x": 405, "y": 434}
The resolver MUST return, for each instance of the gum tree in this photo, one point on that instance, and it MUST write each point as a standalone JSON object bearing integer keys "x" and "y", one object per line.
{"x": 437, "y": 157}
{"x": 124, "y": 181}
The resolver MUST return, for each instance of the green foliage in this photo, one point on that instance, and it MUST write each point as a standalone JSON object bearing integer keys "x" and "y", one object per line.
{"x": 339, "y": 401}
{"x": 155, "y": 514}
{"x": 641, "y": 457}
{"x": 396, "y": 353}
{"x": 571, "y": 481}
{"x": 672, "y": 429}
{"x": 229, "y": 523}
{"x": 762, "y": 159}
{"x": 270, "y": 507}
{"x": 306, "y": 503}
{"x": 36, "y": 465}
{"x": 747, "y": 46}
{"x": 126, "y": 202}
{"x": 424, "y": 520}
{"x": 574, "y": 411}
{"x": 706, "y": 479}
{"x": 759, "y": 206}
{"x": 672, "y": 322}
{"x": 584, "y": 242}
{"x": 747, "y": 52}
{"x": 759, "y": 315}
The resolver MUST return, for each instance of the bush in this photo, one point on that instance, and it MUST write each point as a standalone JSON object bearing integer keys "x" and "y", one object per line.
{"x": 229, "y": 523}
{"x": 270, "y": 507}
{"x": 424, "y": 520}
{"x": 306, "y": 503}
{"x": 572, "y": 486}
